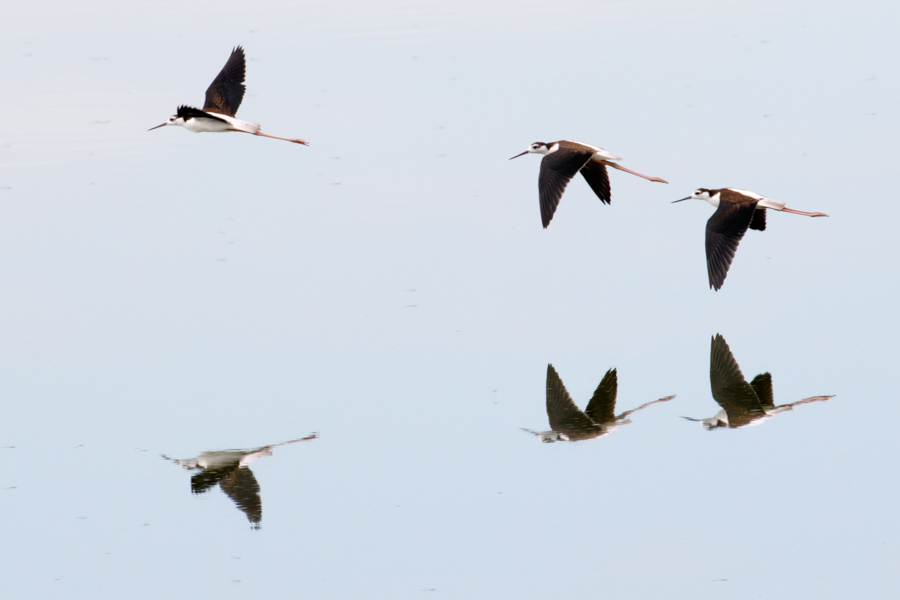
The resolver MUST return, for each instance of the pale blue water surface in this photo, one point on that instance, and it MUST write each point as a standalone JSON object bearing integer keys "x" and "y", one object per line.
{"x": 391, "y": 288}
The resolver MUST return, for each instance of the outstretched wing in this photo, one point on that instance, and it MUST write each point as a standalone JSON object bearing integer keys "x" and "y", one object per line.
{"x": 762, "y": 385}
{"x": 240, "y": 485}
{"x": 205, "y": 479}
{"x": 724, "y": 231}
{"x": 759, "y": 220}
{"x": 602, "y": 407}
{"x": 598, "y": 178}
{"x": 564, "y": 415}
{"x": 557, "y": 170}
{"x": 729, "y": 388}
{"x": 225, "y": 93}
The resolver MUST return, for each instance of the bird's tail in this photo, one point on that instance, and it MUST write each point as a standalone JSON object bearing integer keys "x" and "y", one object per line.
{"x": 238, "y": 125}
{"x": 250, "y": 127}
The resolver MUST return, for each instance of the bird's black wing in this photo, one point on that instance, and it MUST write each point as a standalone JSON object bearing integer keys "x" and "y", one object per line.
{"x": 724, "y": 231}
{"x": 729, "y": 388}
{"x": 189, "y": 112}
{"x": 557, "y": 169}
{"x": 240, "y": 485}
{"x": 205, "y": 479}
{"x": 597, "y": 177}
{"x": 564, "y": 415}
{"x": 762, "y": 385}
{"x": 759, "y": 220}
{"x": 225, "y": 93}
{"x": 602, "y": 407}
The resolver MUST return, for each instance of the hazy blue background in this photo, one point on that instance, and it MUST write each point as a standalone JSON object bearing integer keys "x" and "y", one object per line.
{"x": 391, "y": 287}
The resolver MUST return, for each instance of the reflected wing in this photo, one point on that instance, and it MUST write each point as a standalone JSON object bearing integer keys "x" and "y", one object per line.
{"x": 225, "y": 93}
{"x": 729, "y": 388}
{"x": 724, "y": 231}
{"x": 597, "y": 177}
{"x": 564, "y": 415}
{"x": 202, "y": 481}
{"x": 557, "y": 169}
{"x": 762, "y": 385}
{"x": 240, "y": 485}
{"x": 602, "y": 407}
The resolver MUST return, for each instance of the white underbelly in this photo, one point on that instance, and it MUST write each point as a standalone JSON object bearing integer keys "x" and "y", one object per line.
{"x": 216, "y": 126}
{"x": 207, "y": 125}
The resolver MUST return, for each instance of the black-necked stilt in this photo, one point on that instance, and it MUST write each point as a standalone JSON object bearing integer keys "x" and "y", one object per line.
{"x": 742, "y": 403}
{"x": 223, "y": 97}
{"x": 569, "y": 424}
{"x": 229, "y": 468}
{"x": 562, "y": 160}
{"x": 736, "y": 211}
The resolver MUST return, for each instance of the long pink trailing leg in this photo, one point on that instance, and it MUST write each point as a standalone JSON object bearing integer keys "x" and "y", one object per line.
{"x": 804, "y": 213}
{"x": 621, "y": 168}
{"x": 808, "y": 400}
{"x": 311, "y": 436}
{"x": 643, "y": 406}
{"x": 275, "y": 137}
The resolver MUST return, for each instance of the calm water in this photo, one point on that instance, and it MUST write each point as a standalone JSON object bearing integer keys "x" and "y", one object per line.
{"x": 207, "y": 297}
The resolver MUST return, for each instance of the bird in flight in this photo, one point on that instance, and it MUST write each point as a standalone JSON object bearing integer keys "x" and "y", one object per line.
{"x": 223, "y": 98}
{"x": 562, "y": 161}
{"x": 736, "y": 211}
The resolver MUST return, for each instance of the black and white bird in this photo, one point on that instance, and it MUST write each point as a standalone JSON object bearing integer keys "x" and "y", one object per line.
{"x": 736, "y": 211}
{"x": 231, "y": 471}
{"x": 570, "y": 424}
{"x": 742, "y": 403}
{"x": 562, "y": 161}
{"x": 223, "y": 98}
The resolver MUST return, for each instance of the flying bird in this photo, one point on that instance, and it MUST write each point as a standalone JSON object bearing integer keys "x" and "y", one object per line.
{"x": 742, "y": 403}
{"x": 570, "y": 424}
{"x": 736, "y": 211}
{"x": 223, "y": 98}
{"x": 562, "y": 161}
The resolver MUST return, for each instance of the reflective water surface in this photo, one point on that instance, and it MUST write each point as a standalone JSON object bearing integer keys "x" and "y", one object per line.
{"x": 392, "y": 288}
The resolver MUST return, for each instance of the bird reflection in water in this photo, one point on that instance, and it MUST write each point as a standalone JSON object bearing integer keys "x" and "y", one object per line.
{"x": 569, "y": 424}
{"x": 229, "y": 469}
{"x": 742, "y": 403}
